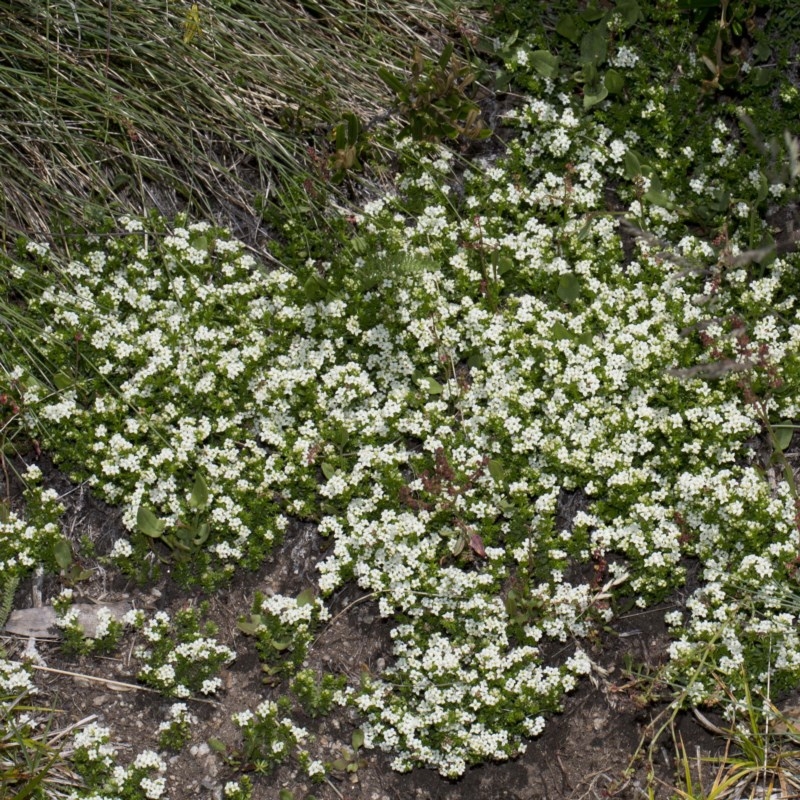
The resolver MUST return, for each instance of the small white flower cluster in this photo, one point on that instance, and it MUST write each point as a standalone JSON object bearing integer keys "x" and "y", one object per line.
{"x": 28, "y": 540}
{"x": 179, "y": 659}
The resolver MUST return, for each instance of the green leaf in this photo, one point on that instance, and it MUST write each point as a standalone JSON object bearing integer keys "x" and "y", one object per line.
{"x": 544, "y": 63}
{"x": 339, "y": 764}
{"x": 763, "y": 187}
{"x": 458, "y": 545}
{"x": 504, "y": 264}
{"x": 217, "y": 745}
{"x": 285, "y": 794}
{"x": 594, "y": 45}
{"x": 559, "y": 332}
{"x": 391, "y": 80}
{"x": 201, "y": 534}
{"x": 613, "y": 81}
{"x": 199, "y": 496}
{"x": 593, "y": 13}
{"x": 762, "y": 76}
{"x": 281, "y": 644}
{"x": 569, "y": 288}
{"x": 62, "y": 381}
{"x": 250, "y": 627}
{"x": 630, "y": 12}
{"x": 497, "y": 470}
{"x": 328, "y": 470}
{"x": 430, "y": 385}
{"x": 591, "y": 97}
{"x": 658, "y": 198}
{"x": 306, "y": 597}
{"x": 631, "y": 165}
{"x": 62, "y": 552}
{"x": 357, "y": 738}
{"x": 783, "y": 435}
{"x": 148, "y": 523}
{"x": 762, "y": 51}
{"x": 568, "y": 27}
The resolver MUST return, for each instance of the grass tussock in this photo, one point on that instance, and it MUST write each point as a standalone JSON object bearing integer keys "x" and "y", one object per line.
{"x": 128, "y": 105}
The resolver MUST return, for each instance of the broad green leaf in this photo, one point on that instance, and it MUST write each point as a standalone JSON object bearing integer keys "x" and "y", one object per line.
{"x": 62, "y": 553}
{"x": 217, "y": 745}
{"x": 762, "y": 76}
{"x": 250, "y": 628}
{"x": 285, "y": 794}
{"x": 201, "y": 534}
{"x": 763, "y": 187}
{"x": 62, "y": 381}
{"x": 593, "y": 13}
{"x": 762, "y": 51}
{"x": 591, "y": 97}
{"x": 544, "y": 63}
{"x": 658, "y": 198}
{"x": 357, "y": 739}
{"x": 148, "y": 523}
{"x": 328, "y": 470}
{"x": 569, "y": 288}
{"x": 613, "y": 81}
{"x": 631, "y": 165}
{"x": 430, "y": 385}
{"x": 630, "y": 12}
{"x": 594, "y": 45}
{"x": 306, "y": 597}
{"x": 783, "y": 435}
{"x": 559, "y": 332}
{"x": 497, "y": 470}
{"x": 199, "y": 496}
{"x": 458, "y": 545}
{"x": 568, "y": 27}
{"x": 281, "y": 644}
{"x": 339, "y": 764}
{"x": 504, "y": 264}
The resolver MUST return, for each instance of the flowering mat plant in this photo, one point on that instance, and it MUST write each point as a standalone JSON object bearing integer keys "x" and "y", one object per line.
{"x": 525, "y": 400}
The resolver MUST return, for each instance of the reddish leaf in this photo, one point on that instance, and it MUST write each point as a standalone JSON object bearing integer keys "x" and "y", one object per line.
{"x": 476, "y": 543}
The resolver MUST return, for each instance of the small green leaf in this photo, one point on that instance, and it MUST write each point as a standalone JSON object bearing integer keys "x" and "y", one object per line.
{"x": 763, "y": 187}
{"x": 328, "y": 470}
{"x": 281, "y": 644}
{"x": 762, "y": 51}
{"x": 339, "y": 764}
{"x": 594, "y": 45}
{"x": 357, "y": 738}
{"x": 430, "y": 385}
{"x": 62, "y": 381}
{"x": 497, "y": 470}
{"x": 783, "y": 435}
{"x": 559, "y": 332}
{"x": 285, "y": 794}
{"x": 762, "y": 76}
{"x": 504, "y": 264}
{"x": 201, "y": 534}
{"x": 217, "y": 745}
{"x": 148, "y": 523}
{"x": 658, "y": 198}
{"x": 568, "y": 27}
{"x": 631, "y": 165}
{"x": 544, "y": 63}
{"x": 458, "y": 545}
{"x": 630, "y": 12}
{"x": 199, "y": 496}
{"x": 613, "y": 81}
{"x": 593, "y": 13}
{"x": 591, "y": 97}
{"x": 62, "y": 553}
{"x": 250, "y": 627}
{"x": 306, "y": 597}
{"x": 569, "y": 288}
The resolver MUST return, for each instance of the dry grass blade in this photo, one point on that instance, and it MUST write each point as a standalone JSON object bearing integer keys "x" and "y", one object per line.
{"x": 119, "y": 107}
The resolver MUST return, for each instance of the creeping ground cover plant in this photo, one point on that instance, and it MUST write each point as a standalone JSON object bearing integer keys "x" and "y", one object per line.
{"x": 489, "y": 344}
